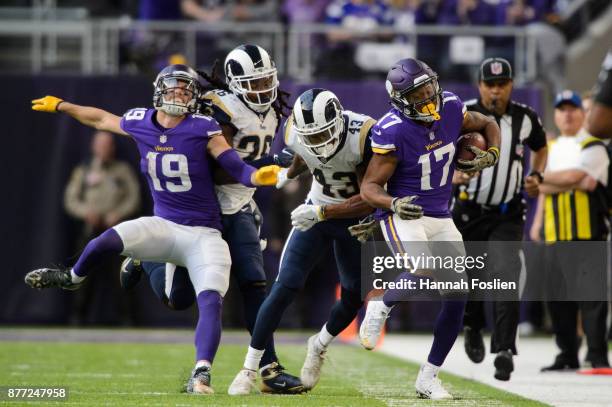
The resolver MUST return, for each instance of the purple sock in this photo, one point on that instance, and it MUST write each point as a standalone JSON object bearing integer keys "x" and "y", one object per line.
{"x": 448, "y": 325}
{"x": 208, "y": 330}
{"x": 108, "y": 243}
{"x": 394, "y": 296}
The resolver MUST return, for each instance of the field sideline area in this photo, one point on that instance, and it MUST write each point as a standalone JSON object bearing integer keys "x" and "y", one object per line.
{"x": 149, "y": 367}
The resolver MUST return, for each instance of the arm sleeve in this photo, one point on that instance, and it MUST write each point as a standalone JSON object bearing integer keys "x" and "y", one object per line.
{"x": 594, "y": 161}
{"x": 537, "y": 138}
{"x": 230, "y": 161}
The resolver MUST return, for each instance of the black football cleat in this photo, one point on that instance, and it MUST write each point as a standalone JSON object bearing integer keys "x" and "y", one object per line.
{"x": 275, "y": 380}
{"x": 474, "y": 344}
{"x": 48, "y": 278}
{"x": 199, "y": 382}
{"x": 130, "y": 274}
{"x": 503, "y": 365}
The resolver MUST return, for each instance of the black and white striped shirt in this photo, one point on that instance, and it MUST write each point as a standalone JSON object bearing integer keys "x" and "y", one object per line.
{"x": 520, "y": 126}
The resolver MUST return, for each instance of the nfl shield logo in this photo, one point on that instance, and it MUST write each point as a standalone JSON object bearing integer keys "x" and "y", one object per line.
{"x": 496, "y": 68}
{"x": 163, "y": 138}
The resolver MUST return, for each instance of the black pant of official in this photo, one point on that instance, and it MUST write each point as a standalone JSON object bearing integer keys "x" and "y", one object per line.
{"x": 578, "y": 273}
{"x": 504, "y": 231}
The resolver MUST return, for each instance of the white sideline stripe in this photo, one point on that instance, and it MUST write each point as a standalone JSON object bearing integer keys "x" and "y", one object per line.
{"x": 558, "y": 389}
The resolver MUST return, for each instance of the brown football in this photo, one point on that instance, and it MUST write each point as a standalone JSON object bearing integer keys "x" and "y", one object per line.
{"x": 469, "y": 139}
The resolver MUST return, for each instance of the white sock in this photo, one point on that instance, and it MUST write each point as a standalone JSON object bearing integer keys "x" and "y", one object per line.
{"x": 76, "y": 279}
{"x": 324, "y": 338}
{"x": 429, "y": 370}
{"x": 252, "y": 359}
{"x": 201, "y": 363}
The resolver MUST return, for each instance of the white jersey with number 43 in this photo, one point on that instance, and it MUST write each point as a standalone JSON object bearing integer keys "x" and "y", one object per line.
{"x": 253, "y": 138}
{"x": 335, "y": 179}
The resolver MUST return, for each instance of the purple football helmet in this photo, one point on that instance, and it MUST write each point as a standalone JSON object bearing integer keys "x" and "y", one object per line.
{"x": 177, "y": 90}
{"x": 414, "y": 90}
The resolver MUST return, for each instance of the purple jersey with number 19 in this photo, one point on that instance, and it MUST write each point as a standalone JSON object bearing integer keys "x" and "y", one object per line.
{"x": 425, "y": 155}
{"x": 177, "y": 166}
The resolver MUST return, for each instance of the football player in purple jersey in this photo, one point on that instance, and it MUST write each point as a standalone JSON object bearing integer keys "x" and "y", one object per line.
{"x": 175, "y": 145}
{"x": 248, "y": 105}
{"x": 414, "y": 147}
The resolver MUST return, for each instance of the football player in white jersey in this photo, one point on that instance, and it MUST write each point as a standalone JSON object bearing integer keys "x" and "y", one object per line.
{"x": 334, "y": 144}
{"x": 248, "y": 109}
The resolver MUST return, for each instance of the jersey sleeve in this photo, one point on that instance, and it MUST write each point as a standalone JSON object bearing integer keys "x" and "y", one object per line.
{"x": 213, "y": 128}
{"x": 537, "y": 138}
{"x": 603, "y": 88}
{"x": 220, "y": 112}
{"x": 131, "y": 118}
{"x": 383, "y": 140}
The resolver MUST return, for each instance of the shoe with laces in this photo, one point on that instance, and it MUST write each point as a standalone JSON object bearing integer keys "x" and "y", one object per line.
{"x": 311, "y": 370}
{"x": 274, "y": 379}
{"x": 373, "y": 322}
{"x": 430, "y": 387}
{"x": 48, "y": 278}
{"x": 199, "y": 382}
{"x": 244, "y": 383}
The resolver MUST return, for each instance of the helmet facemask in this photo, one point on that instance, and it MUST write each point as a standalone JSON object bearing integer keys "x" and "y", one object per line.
{"x": 421, "y": 102}
{"x": 258, "y": 90}
{"x": 322, "y": 140}
{"x": 176, "y": 94}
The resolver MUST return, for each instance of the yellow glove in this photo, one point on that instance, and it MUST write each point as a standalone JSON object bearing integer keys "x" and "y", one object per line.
{"x": 46, "y": 104}
{"x": 266, "y": 175}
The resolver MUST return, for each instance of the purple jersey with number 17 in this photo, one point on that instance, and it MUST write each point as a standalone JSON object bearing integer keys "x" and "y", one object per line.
{"x": 425, "y": 155}
{"x": 177, "y": 166}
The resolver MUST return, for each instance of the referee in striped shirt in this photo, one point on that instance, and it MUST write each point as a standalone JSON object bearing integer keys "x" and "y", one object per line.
{"x": 489, "y": 206}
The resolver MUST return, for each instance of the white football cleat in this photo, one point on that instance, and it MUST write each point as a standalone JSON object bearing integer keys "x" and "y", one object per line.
{"x": 430, "y": 387}
{"x": 244, "y": 383}
{"x": 311, "y": 370}
{"x": 373, "y": 322}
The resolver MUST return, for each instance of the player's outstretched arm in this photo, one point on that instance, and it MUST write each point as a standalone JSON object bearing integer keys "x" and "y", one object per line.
{"x": 89, "y": 116}
{"x": 231, "y": 162}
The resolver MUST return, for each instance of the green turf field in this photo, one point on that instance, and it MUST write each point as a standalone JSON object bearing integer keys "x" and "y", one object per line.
{"x": 131, "y": 374}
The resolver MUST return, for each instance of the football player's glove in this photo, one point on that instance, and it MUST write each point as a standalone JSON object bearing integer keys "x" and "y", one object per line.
{"x": 364, "y": 229}
{"x": 405, "y": 209}
{"x": 482, "y": 160}
{"x": 46, "y": 104}
{"x": 306, "y": 216}
{"x": 266, "y": 176}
